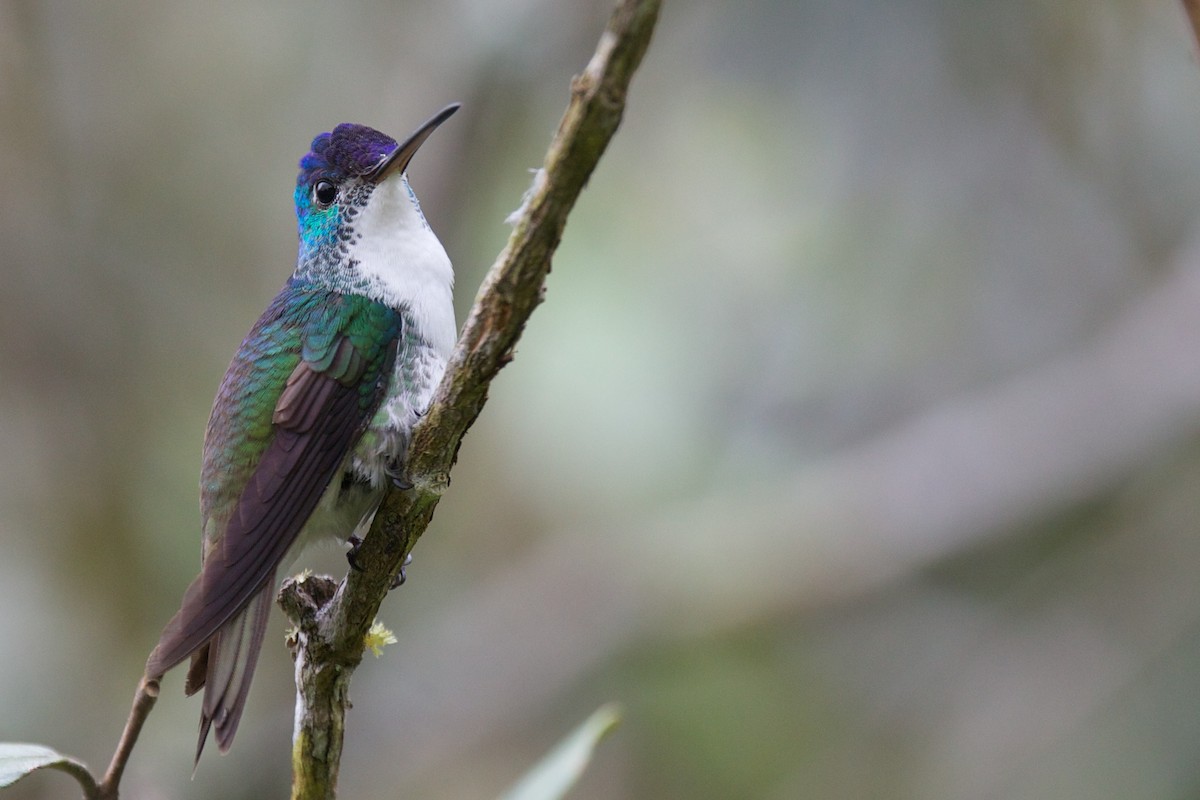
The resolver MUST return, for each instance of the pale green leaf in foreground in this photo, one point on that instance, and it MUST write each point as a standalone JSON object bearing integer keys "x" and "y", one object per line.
{"x": 553, "y": 777}
{"x": 18, "y": 760}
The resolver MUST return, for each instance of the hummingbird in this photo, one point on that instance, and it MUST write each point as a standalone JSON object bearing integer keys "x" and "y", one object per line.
{"x": 312, "y": 420}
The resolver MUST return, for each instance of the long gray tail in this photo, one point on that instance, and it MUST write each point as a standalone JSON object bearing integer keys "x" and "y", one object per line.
{"x": 228, "y": 664}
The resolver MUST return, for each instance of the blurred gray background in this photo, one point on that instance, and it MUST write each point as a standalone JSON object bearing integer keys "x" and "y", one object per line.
{"x": 855, "y": 450}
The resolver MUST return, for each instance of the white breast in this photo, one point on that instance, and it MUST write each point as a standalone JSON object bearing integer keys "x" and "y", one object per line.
{"x": 403, "y": 263}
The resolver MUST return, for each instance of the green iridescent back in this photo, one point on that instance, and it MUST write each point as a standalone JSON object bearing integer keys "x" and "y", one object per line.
{"x": 307, "y": 322}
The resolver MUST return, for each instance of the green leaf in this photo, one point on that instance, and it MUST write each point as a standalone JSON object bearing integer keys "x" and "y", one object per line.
{"x": 554, "y": 776}
{"x": 18, "y": 760}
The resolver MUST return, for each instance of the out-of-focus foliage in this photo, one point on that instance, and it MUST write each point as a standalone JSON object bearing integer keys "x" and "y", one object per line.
{"x": 19, "y": 760}
{"x": 855, "y": 451}
{"x": 557, "y": 773}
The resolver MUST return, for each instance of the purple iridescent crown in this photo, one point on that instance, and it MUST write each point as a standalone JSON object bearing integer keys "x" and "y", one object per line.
{"x": 348, "y": 150}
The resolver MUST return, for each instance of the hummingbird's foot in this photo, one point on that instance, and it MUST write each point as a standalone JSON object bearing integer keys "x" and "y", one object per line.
{"x": 401, "y": 577}
{"x": 355, "y": 543}
{"x": 395, "y": 472}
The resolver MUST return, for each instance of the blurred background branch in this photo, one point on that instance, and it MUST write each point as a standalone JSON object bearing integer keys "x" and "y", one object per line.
{"x": 949, "y": 479}
{"x": 1192, "y": 9}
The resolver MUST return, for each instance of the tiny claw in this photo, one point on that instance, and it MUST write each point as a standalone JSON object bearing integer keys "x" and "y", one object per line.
{"x": 355, "y": 543}
{"x": 395, "y": 472}
{"x": 400, "y": 578}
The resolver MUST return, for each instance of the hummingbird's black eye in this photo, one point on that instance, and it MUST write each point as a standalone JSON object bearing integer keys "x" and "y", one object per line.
{"x": 324, "y": 193}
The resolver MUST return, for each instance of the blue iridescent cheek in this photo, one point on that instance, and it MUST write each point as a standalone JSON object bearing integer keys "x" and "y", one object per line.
{"x": 316, "y": 226}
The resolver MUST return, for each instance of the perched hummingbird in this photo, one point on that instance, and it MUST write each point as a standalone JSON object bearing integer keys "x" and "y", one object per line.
{"x": 312, "y": 419}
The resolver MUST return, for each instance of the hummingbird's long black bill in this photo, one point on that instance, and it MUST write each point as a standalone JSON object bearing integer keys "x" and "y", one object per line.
{"x": 398, "y": 160}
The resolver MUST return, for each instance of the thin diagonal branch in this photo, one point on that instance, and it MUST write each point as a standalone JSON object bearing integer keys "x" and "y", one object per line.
{"x": 143, "y": 703}
{"x": 328, "y": 651}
